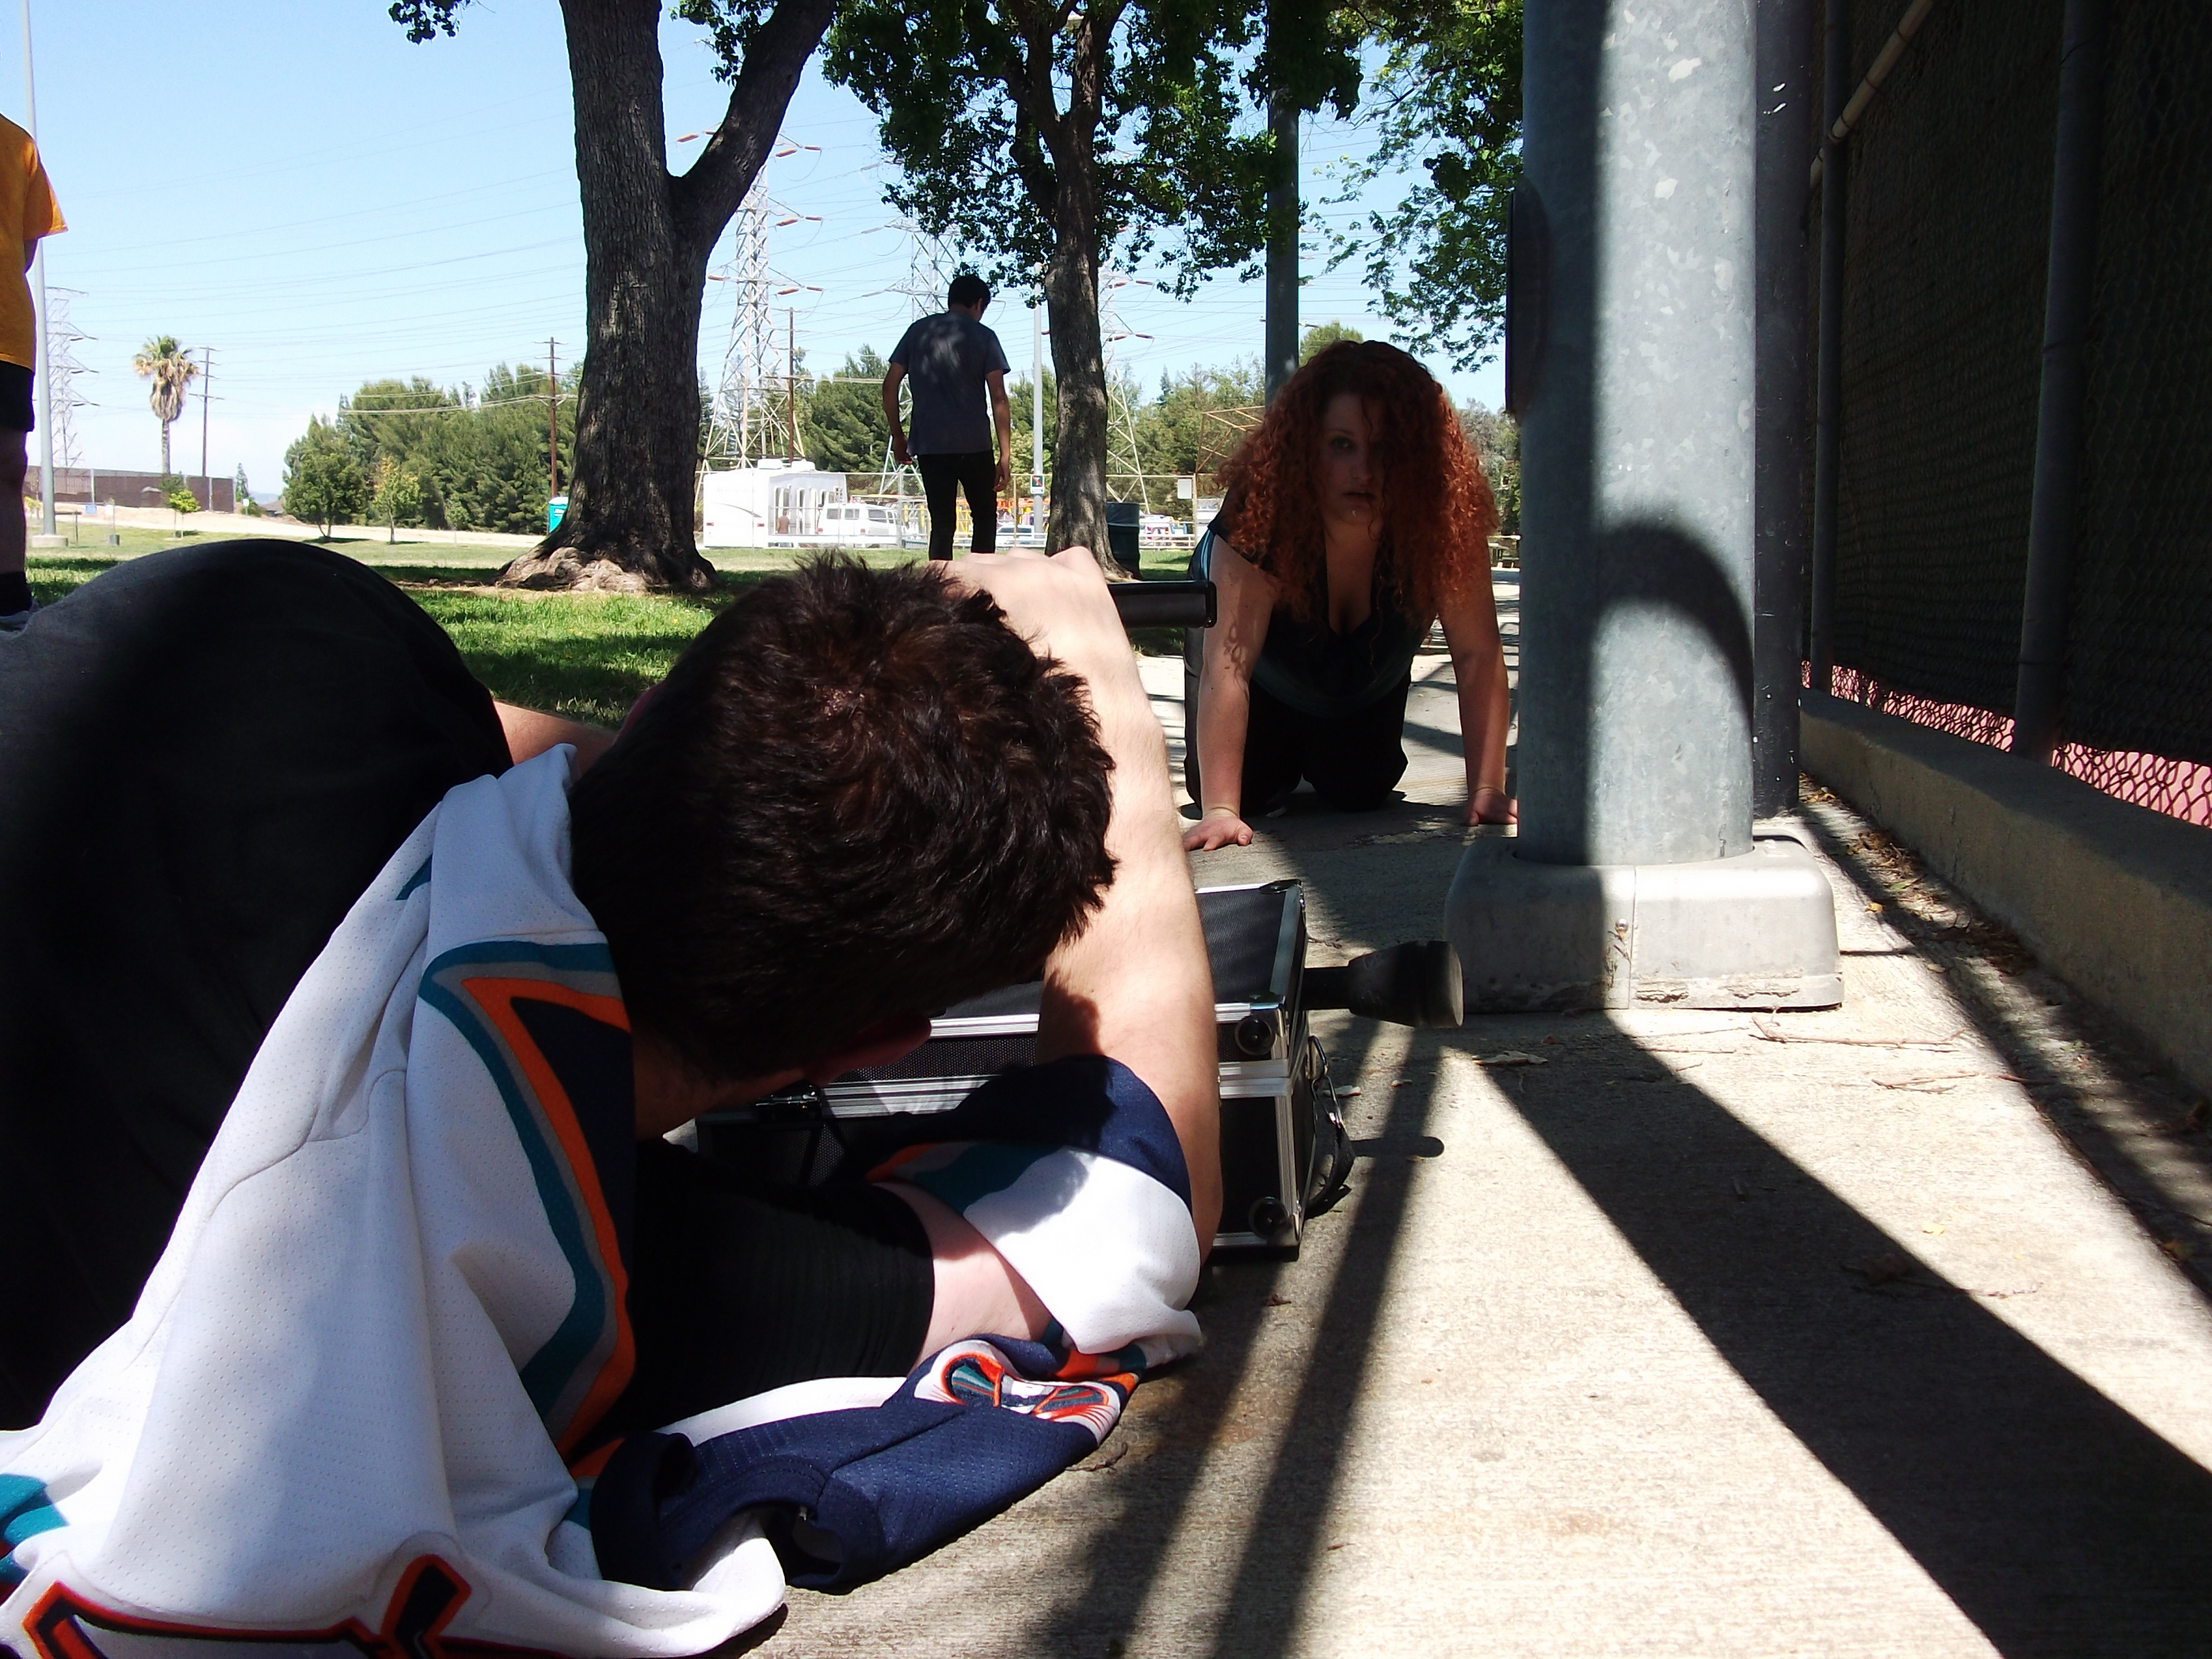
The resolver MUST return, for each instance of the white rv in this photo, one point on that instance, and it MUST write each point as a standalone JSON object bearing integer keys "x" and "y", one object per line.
{"x": 771, "y": 503}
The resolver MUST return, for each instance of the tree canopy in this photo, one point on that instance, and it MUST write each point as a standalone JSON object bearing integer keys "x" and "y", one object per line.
{"x": 1447, "y": 99}
{"x": 323, "y": 483}
{"x": 172, "y": 370}
{"x": 474, "y": 458}
{"x": 1049, "y": 134}
{"x": 842, "y": 418}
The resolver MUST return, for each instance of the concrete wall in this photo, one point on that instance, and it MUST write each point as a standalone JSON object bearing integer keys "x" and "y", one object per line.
{"x": 71, "y": 484}
{"x": 2115, "y": 899}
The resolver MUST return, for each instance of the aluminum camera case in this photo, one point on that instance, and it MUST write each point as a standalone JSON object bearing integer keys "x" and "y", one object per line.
{"x": 1271, "y": 1068}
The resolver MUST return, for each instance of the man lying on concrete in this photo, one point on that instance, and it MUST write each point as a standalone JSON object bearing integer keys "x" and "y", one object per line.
{"x": 435, "y": 1260}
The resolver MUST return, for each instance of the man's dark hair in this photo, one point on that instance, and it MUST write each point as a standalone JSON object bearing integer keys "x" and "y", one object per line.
{"x": 969, "y": 289}
{"x": 858, "y": 795}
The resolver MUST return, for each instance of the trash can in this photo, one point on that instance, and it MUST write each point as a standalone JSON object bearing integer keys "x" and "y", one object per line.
{"x": 1121, "y": 522}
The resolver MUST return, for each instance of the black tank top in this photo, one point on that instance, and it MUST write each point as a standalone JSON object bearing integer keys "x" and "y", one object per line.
{"x": 1319, "y": 671}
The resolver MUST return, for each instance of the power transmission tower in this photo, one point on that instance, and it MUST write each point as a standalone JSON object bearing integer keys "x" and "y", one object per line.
{"x": 741, "y": 426}
{"x": 931, "y": 265}
{"x": 62, "y": 369}
{"x": 1123, "y": 459}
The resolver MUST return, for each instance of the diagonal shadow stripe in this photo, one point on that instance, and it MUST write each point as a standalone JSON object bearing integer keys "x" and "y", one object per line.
{"x": 1259, "y": 1612}
{"x": 2061, "y": 1100}
{"x": 1187, "y": 1412}
{"x": 2056, "y": 1521}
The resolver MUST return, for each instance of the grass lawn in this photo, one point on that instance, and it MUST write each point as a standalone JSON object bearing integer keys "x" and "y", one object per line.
{"x": 583, "y": 655}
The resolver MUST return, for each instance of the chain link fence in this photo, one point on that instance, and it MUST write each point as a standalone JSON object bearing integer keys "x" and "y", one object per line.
{"x": 1947, "y": 232}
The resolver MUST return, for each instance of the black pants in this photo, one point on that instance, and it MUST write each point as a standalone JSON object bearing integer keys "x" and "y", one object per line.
{"x": 205, "y": 756}
{"x": 976, "y": 472}
{"x": 1353, "y": 762}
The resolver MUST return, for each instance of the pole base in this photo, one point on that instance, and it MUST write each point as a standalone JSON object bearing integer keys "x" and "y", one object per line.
{"x": 49, "y": 541}
{"x": 1754, "y": 932}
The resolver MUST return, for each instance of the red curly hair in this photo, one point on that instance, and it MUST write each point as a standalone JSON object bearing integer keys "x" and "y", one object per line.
{"x": 1438, "y": 511}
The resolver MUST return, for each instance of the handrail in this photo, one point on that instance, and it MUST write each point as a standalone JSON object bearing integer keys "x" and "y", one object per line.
{"x": 1885, "y": 60}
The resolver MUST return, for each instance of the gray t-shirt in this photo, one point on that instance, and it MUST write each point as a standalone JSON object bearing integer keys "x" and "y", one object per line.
{"x": 945, "y": 358}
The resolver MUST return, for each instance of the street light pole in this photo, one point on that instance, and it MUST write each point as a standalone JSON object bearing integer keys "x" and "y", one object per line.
{"x": 207, "y": 479}
{"x": 38, "y": 288}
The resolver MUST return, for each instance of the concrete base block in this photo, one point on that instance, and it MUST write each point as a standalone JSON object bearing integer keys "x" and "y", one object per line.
{"x": 49, "y": 541}
{"x": 1757, "y": 931}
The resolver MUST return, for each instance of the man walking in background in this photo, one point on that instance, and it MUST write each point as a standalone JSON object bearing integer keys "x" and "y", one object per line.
{"x": 952, "y": 360}
{"x": 26, "y": 201}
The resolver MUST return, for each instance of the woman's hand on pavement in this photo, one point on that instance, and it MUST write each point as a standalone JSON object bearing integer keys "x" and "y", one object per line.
{"x": 1493, "y": 805}
{"x": 1220, "y": 828}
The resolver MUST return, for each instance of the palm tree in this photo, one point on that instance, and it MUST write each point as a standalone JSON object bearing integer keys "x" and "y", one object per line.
{"x": 166, "y": 363}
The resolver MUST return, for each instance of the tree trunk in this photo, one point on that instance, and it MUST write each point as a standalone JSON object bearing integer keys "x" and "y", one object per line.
{"x": 634, "y": 466}
{"x": 165, "y": 449}
{"x": 1070, "y": 291}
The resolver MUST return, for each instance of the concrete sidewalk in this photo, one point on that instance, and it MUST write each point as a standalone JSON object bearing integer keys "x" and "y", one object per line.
{"x": 1693, "y": 1334}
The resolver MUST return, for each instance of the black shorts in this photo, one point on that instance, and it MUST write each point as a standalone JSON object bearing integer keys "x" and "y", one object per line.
{"x": 1353, "y": 761}
{"x": 205, "y": 756}
{"x": 17, "y": 412}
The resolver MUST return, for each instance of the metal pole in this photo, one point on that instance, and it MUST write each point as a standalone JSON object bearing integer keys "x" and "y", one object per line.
{"x": 1637, "y": 453}
{"x": 1281, "y": 348}
{"x": 2075, "y": 180}
{"x": 207, "y": 479}
{"x": 791, "y": 375}
{"x": 1828, "y": 436}
{"x": 39, "y": 354}
{"x": 1785, "y": 135}
{"x": 552, "y": 426}
{"x": 1037, "y": 404}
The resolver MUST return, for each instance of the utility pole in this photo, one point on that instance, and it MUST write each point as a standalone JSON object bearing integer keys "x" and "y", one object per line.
{"x": 38, "y": 285}
{"x": 791, "y": 376}
{"x": 552, "y": 423}
{"x": 1036, "y": 418}
{"x": 207, "y": 479}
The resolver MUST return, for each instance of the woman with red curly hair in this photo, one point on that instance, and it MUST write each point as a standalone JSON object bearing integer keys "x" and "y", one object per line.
{"x": 1353, "y": 518}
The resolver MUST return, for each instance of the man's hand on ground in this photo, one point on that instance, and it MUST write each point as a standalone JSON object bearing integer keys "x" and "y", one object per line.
{"x": 1220, "y": 828}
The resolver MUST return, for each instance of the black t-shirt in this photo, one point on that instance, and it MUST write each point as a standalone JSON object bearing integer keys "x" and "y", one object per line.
{"x": 205, "y": 756}
{"x": 947, "y": 358}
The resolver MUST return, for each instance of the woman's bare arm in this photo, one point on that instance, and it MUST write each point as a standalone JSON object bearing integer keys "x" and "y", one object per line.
{"x": 1246, "y": 598}
{"x": 1470, "y": 619}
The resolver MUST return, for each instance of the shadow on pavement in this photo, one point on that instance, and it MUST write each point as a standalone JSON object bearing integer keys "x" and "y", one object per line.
{"x": 1213, "y": 1399}
{"x": 2052, "y": 1517}
{"x": 2054, "y": 1520}
{"x": 2147, "y": 1102}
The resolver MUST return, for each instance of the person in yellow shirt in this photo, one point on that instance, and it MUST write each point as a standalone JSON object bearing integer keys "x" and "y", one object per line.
{"x": 26, "y": 200}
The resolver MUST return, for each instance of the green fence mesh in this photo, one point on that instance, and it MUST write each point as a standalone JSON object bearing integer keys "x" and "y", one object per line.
{"x": 2139, "y": 673}
{"x": 1948, "y": 229}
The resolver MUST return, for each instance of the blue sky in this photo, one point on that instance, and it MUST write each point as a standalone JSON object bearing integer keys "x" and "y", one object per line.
{"x": 322, "y": 202}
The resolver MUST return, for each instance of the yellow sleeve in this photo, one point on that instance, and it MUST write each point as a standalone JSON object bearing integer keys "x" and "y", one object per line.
{"x": 42, "y": 214}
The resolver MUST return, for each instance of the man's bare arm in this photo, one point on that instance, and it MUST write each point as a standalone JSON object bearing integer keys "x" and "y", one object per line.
{"x": 892, "y": 377}
{"x": 1134, "y": 984}
{"x": 530, "y": 734}
{"x": 1002, "y": 417}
